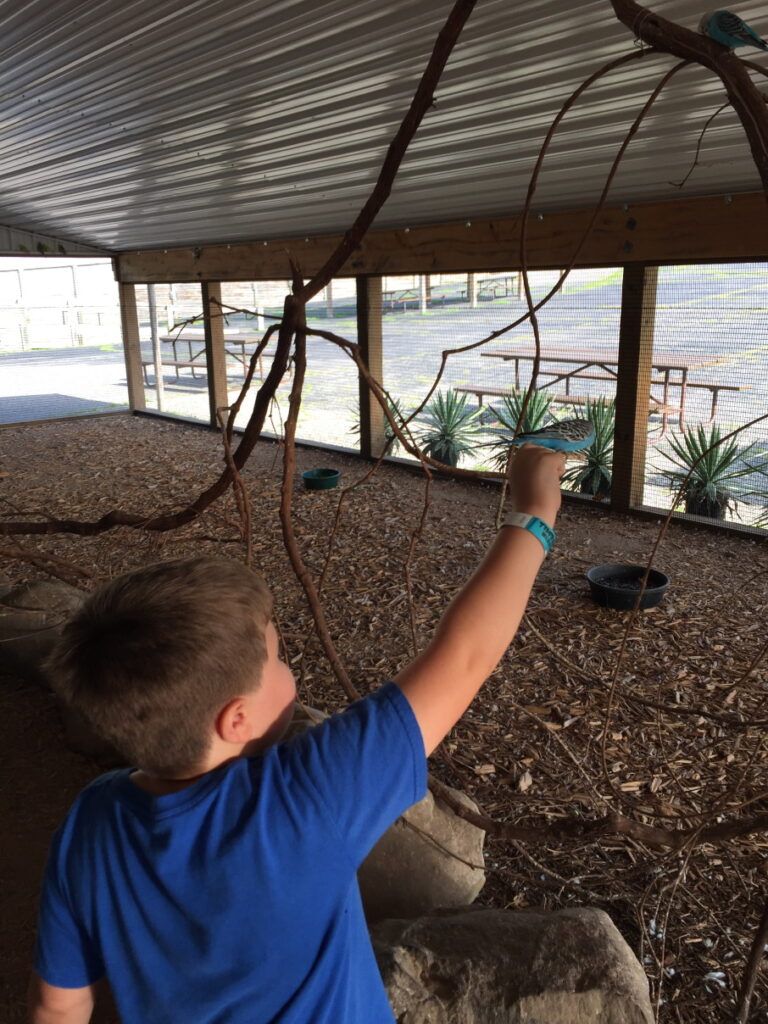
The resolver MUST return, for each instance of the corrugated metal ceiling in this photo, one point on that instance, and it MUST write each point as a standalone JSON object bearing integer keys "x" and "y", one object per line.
{"x": 129, "y": 124}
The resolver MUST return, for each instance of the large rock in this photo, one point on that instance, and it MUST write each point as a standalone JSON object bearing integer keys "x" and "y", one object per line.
{"x": 31, "y": 618}
{"x": 430, "y": 857}
{"x": 481, "y": 966}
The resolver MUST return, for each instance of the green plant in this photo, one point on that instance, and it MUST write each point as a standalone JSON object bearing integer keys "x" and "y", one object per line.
{"x": 508, "y": 413}
{"x": 395, "y": 406}
{"x": 447, "y": 428}
{"x": 593, "y": 476}
{"x": 712, "y": 488}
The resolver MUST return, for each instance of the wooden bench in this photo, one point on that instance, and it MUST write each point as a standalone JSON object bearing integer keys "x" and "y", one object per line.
{"x": 562, "y": 398}
{"x": 714, "y": 389}
{"x": 177, "y": 363}
{"x": 198, "y": 364}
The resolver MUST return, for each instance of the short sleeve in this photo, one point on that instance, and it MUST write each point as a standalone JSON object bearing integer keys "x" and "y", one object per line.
{"x": 64, "y": 955}
{"x": 366, "y": 764}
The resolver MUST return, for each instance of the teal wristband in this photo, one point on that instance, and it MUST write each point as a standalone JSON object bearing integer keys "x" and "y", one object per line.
{"x": 541, "y": 530}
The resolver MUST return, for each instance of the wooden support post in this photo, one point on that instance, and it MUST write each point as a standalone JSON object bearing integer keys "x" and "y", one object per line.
{"x": 129, "y": 319}
{"x": 170, "y": 309}
{"x": 423, "y": 293}
{"x": 258, "y": 305}
{"x": 638, "y": 311}
{"x": 329, "y": 299}
{"x": 215, "y": 356}
{"x": 157, "y": 348}
{"x": 472, "y": 290}
{"x": 370, "y": 339}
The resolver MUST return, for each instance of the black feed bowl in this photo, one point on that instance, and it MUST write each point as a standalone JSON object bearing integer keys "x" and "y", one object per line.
{"x": 617, "y": 586}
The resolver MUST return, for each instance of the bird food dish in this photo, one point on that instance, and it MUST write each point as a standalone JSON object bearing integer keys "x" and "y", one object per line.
{"x": 617, "y": 586}
{"x": 320, "y": 479}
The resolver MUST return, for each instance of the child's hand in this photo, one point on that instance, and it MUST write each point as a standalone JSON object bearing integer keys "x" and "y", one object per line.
{"x": 535, "y": 482}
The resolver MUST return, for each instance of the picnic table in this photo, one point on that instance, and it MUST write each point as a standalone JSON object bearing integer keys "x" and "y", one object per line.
{"x": 235, "y": 344}
{"x": 670, "y": 372}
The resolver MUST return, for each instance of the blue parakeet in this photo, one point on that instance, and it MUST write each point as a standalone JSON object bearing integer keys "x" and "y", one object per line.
{"x": 564, "y": 436}
{"x": 729, "y": 30}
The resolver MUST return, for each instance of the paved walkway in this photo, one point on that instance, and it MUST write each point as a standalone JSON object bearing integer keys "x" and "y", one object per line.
{"x": 721, "y": 311}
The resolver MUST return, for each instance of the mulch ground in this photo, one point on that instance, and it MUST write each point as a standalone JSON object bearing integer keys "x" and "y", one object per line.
{"x": 538, "y": 746}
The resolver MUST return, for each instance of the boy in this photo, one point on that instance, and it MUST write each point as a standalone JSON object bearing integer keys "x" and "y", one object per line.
{"x": 215, "y": 882}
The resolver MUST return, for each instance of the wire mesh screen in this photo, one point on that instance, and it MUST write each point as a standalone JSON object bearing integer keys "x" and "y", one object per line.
{"x": 472, "y": 416}
{"x": 711, "y": 358}
{"x": 61, "y": 350}
{"x": 329, "y": 407}
{"x": 173, "y": 362}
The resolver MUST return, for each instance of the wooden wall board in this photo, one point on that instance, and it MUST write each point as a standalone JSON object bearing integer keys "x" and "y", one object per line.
{"x": 687, "y": 230}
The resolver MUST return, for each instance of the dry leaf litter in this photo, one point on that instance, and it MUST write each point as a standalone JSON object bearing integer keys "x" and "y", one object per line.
{"x": 529, "y": 749}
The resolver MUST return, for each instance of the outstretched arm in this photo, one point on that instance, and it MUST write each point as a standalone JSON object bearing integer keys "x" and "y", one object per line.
{"x": 483, "y": 618}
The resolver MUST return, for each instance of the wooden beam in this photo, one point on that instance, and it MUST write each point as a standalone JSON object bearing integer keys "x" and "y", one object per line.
{"x": 215, "y": 356}
{"x": 370, "y": 339}
{"x": 686, "y": 230}
{"x": 472, "y": 290}
{"x": 638, "y": 312}
{"x": 129, "y": 319}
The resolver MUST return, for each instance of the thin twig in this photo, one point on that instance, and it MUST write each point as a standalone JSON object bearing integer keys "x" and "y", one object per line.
{"x": 753, "y": 966}
{"x": 695, "y": 164}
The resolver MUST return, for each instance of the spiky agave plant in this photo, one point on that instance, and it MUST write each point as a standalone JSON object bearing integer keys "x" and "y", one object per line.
{"x": 709, "y": 469}
{"x": 447, "y": 428}
{"x": 537, "y": 412}
{"x": 593, "y": 476}
{"x": 395, "y": 406}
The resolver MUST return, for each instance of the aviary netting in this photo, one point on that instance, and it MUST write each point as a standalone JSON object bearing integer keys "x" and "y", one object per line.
{"x": 664, "y": 838}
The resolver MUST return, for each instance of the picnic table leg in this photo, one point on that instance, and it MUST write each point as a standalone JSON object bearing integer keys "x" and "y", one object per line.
{"x": 683, "y": 393}
{"x": 665, "y": 410}
{"x": 190, "y": 356}
{"x": 714, "y": 392}
{"x": 175, "y": 357}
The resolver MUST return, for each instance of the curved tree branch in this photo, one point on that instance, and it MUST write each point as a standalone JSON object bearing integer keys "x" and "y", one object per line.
{"x": 294, "y": 304}
{"x": 745, "y": 97}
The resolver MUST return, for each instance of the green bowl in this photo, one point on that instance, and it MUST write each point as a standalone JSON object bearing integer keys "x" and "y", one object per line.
{"x": 320, "y": 479}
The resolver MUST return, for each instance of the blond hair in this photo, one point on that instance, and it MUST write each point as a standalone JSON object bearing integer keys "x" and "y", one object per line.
{"x": 152, "y": 656}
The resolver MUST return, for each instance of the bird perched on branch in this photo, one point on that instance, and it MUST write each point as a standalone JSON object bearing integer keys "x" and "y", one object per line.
{"x": 563, "y": 436}
{"x": 729, "y": 30}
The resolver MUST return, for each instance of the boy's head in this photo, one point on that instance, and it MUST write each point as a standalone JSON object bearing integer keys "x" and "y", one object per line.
{"x": 151, "y": 658}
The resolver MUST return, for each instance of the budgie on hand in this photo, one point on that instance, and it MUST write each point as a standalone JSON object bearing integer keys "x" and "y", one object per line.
{"x": 564, "y": 436}
{"x": 729, "y": 30}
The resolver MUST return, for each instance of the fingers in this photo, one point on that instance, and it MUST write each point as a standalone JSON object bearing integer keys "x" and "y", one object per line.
{"x": 538, "y": 451}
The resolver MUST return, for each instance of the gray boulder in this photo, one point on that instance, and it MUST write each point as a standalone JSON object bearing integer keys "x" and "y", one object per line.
{"x": 479, "y": 966}
{"x": 429, "y": 858}
{"x": 31, "y": 618}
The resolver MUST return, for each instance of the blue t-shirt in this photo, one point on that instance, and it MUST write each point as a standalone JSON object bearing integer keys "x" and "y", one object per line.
{"x": 235, "y": 901}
